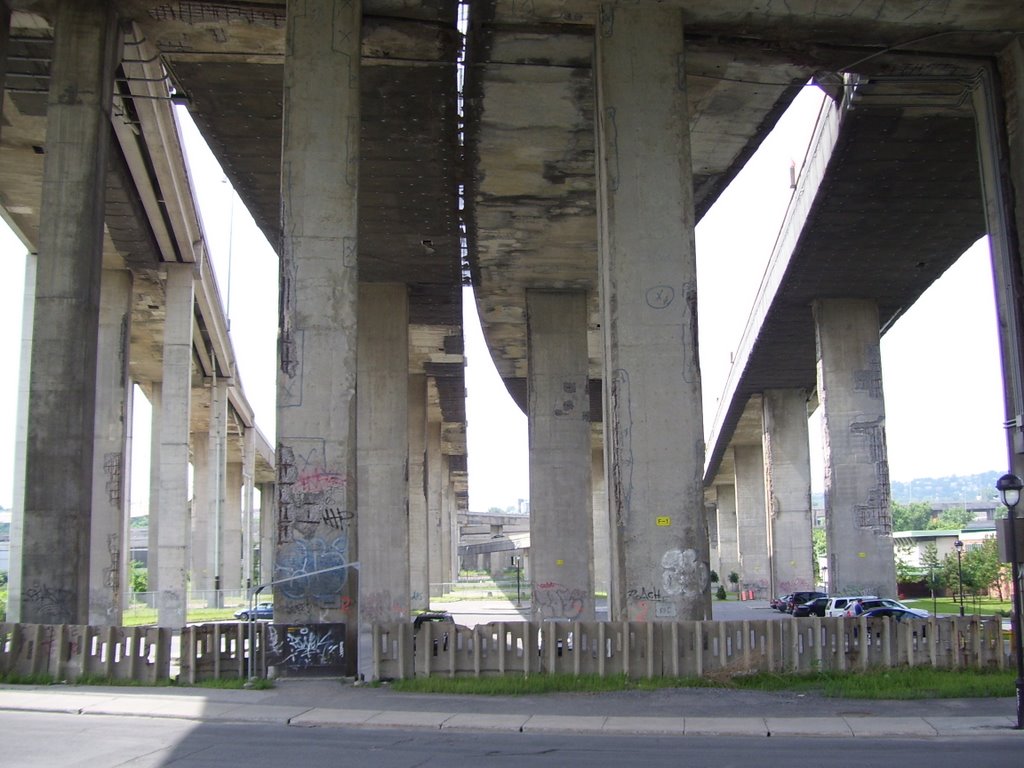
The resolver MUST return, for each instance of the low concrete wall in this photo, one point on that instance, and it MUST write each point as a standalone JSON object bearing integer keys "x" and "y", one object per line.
{"x": 686, "y": 649}
{"x": 72, "y": 651}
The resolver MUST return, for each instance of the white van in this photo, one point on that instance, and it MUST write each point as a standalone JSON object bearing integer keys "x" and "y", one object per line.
{"x": 838, "y": 606}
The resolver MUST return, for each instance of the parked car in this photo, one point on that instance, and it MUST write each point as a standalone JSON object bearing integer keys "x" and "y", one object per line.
{"x": 263, "y": 611}
{"x": 799, "y": 598}
{"x": 888, "y": 602}
{"x": 815, "y": 607}
{"x": 896, "y": 614}
{"x": 779, "y": 603}
{"x": 838, "y": 606}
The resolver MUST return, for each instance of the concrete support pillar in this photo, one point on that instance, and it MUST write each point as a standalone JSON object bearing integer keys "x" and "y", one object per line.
{"x": 383, "y": 455}
{"x": 653, "y": 423}
{"x": 561, "y": 501}
{"x": 317, "y": 514}
{"x": 21, "y": 441}
{"x": 249, "y": 532}
{"x": 728, "y": 543}
{"x": 153, "y": 537}
{"x": 109, "y": 492}
{"x": 201, "y": 565}
{"x": 787, "y": 467}
{"x": 5, "y": 34}
{"x": 751, "y": 519}
{"x": 268, "y": 527}
{"x": 62, "y": 400}
{"x": 714, "y": 560}
{"x": 857, "y": 505}
{"x": 602, "y": 546}
{"x": 1000, "y": 118}
{"x": 175, "y": 405}
{"x": 419, "y": 559}
{"x": 231, "y": 529}
{"x": 216, "y": 513}
{"x": 435, "y": 564}
{"x": 449, "y": 565}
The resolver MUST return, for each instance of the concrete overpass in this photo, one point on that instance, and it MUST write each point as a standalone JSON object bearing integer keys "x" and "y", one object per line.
{"x": 912, "y": 145}
{"x": 564, "y": 183}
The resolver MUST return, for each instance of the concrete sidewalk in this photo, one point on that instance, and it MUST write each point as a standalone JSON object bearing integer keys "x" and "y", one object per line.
{"x": 332, "y": 703}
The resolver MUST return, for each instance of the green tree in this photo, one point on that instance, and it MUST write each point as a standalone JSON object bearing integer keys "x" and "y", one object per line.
{"x": 911, "y": 517}
{"x": 734, "y": 579}
{"x": 819, "y": 549}
{"x": 905, "y": 572}
{"x": 138, "y": 577}
{"x": 951, "y": 520}
{"x": 932, "y": 566}
{"x": 714, "y": 577}
{"x": 982, "y": 568}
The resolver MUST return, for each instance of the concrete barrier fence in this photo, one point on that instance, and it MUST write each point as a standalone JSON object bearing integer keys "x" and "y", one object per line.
{"x": 633, "y": 649}
{"x": 686, "y": 649}
{"x": 70, "y": 652}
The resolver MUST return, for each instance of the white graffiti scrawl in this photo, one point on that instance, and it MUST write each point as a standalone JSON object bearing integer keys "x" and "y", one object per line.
{"x": 684, "y": 574}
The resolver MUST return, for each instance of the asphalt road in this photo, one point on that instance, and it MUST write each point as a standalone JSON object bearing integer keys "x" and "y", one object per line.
{"x": 47, "y": 740}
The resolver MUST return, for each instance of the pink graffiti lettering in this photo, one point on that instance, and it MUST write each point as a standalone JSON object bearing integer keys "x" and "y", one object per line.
{"x": 316, "y": 480}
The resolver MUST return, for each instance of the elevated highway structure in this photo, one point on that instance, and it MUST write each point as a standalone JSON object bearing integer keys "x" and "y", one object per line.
{"x": 555, "y": 155}
{"x": 889, "y": 196}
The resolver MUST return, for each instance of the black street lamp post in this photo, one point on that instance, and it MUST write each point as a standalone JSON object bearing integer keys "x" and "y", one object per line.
{"x": 1009, "y": 487}
{"x": 960, "y": 571}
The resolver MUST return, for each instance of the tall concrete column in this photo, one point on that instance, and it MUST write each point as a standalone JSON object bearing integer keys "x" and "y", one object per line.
{"x": 449, "y": 565}
{"x": 787, "y": 467}
{"x": 751, "y": 519}
{"x": 21, "y": 441}
{"x": 858, "y": 522}
{"x": 62, "y": 400}
{"x": 153, "y": 537}
{"x": 5, "y": 35}
{"x": 383, "y": 455}
{"x": 216, "y": 512}
{"x": 433, "y": 471}
{"x": 231, "y": 528}
{"x": 602, "y": 546}
{"x": 419, "y": 560}
{"x": 714, "y": 559}
{"x": 109, "y": 492}
{"x": 728, "y": 544}
{"x": 653, "y": 420}
{"x": 999, "y": 118}
{"x": 561, "y": 500}
{"x": 317, "y": 513}
{"x": 268, "y": 528}
{"x": 175, "y": 405}
{"x": 249, "y": 532}
{"x": 202, "y": 565}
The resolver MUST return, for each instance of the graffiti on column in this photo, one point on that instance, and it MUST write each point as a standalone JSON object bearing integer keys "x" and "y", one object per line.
{"x": 874, "y": 513}
{"x": 683, "y": 573}
{"x": 53, "y": 603}
{"x": 622, "y": 425}
{"x": 557, "y": 601}
{"x": 313, "y": 524}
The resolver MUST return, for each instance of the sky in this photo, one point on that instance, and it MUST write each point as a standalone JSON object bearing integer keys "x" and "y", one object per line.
{"x": 940, "y": 362}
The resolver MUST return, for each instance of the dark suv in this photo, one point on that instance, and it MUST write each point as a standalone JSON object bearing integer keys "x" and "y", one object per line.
{"x": 799, "y": 598}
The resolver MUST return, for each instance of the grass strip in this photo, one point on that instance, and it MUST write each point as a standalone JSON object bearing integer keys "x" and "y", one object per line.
{"x": 895, "y": 684}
